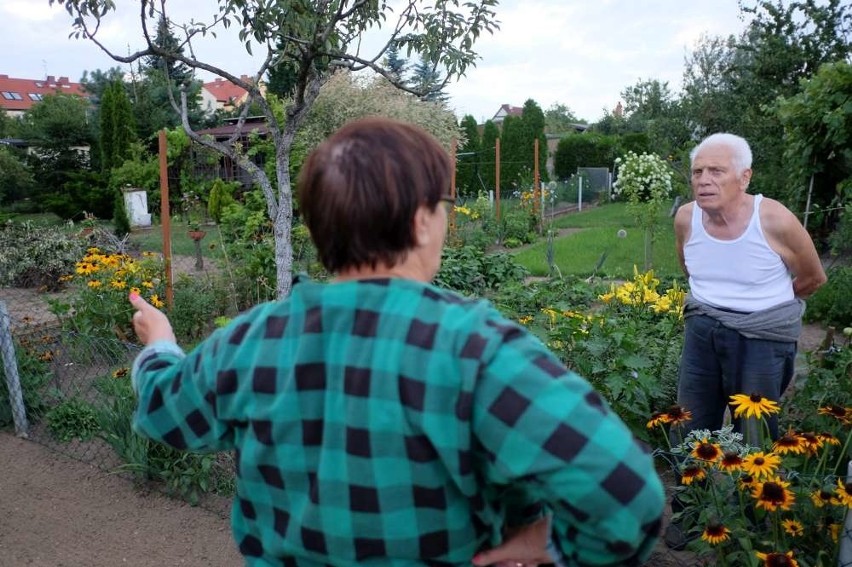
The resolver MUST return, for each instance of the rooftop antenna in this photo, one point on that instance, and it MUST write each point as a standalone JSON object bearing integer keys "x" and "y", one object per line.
{"x": 44, "y": 67}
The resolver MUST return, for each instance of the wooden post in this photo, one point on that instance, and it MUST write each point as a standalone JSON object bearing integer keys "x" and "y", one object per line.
{"x": 166, "y": 219}
{"x": 452, "y": 216}
{"x": 537, "y": 195}
{"x": 497, "y": 179}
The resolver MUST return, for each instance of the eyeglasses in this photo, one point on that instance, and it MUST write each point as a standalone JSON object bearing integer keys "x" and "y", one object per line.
{"x": 449, "y": 202}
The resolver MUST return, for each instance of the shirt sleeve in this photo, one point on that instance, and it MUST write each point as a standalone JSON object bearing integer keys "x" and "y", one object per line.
{"x": 177, "y": 397}
{"x": 544, "y": 429}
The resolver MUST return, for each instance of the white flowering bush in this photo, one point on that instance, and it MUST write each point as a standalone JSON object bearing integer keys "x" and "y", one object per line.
{"x": 645, "y": 182}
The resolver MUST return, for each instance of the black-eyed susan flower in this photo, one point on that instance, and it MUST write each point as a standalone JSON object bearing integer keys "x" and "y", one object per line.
{"x": 731, "y": 461}
{"x": 678, "y": 415}
{"x": 692, "y": 472}
{"x": 120, "y": 372}
{"x": 707, "y": 451}
{"x": 793, "y": 527}
{"x": 776, "y": 559}
{"x": 747, "y": 482}
{"x": 715, "y": 533}
{"x": 156, "y": 301}
{"x": 658, "y": 418}
{"x": 829, "y": 439}
{"x": 761, "y": 465}
{"x": 811, "y": 442}
{"x": 773, "y": 494}
{"x": 844, "y": 493}
{"x": 839, "y": 413}
{"x": 790, "y": 442}
{"x": 753, "y": 405}
{"x": 823, "y": 497}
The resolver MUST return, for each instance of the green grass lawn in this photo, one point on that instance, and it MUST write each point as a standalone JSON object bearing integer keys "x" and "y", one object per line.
{"x": 580, "y": 253}
{"x": 151, "y": 240}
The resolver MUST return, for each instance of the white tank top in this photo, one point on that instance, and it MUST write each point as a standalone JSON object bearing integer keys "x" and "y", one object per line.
{"x": 743, "y": 274}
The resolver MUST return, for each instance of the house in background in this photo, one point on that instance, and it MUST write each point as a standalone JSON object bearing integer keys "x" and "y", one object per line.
{"x": 224, "y": 95}
{"x": 19, "y": 95}
{"x": 504, "y": 111}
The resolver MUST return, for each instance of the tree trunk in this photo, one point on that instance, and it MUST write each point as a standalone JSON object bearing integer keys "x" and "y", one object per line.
{"x": 283, "y": 247}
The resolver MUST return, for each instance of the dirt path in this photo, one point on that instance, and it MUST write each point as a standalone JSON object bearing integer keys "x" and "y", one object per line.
{"x": 55, "y": 511}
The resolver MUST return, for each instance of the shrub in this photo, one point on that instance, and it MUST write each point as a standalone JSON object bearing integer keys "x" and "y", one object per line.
{"x": 72, "y": 419}
{"x": 469, "y": 270}
{"x": 33, "y": 256}
{"x": 33, "y": 373}
{"x": 197, "y": 303}
{"x": 830, "y": 304}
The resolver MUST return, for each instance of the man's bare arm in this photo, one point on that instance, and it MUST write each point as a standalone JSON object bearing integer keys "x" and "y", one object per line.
{"x": 788, "y": 237}
{"x": 682, "y": 228}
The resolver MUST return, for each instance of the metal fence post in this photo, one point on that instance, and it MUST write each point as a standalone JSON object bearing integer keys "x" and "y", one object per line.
{"x": 13, "y": 379}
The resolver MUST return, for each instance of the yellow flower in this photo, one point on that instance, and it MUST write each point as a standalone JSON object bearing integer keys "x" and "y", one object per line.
{"x": 93, "y": 284}
{"x": 829, "y": 439}
{"x": 526, "y": 319}
{"x": 834, "y": 531}
{"x": 837, "y": 412}
{"x": 658, "y": 418}
{"x": 754, "y": 405}
{"x": 147, "y": 284}
{"x": 811, "y": 442}
{"x": 790, "y": 442}
{"x": 121, "y": 372}
{"x": 823, "y": 497}
{"x": 678, "y": 415}
{"x": 793, "y": 527}
{"x": 692, "y": 472}
{"x": 706, "y": 451}
{"x": 715, "y": 534}
{"x": 136, "y": 290}
{"x": 775, "y": 559}
{"x": 844, "y": 493}
{"x": 156, "y": 302}
{"x": 118, "y": 284}
{"x": 761, "y": 464}
{"x": 731, "y": 461}
{"x": 773, "y": 494}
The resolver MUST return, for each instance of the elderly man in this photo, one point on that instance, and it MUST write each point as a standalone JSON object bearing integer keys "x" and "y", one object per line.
{"x": 750, "y": 264}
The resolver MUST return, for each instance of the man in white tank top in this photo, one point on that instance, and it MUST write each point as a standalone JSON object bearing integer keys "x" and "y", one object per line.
{"x": 750, "y": 264}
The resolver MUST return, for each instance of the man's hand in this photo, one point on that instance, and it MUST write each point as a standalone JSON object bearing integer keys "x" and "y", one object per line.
{"x": 524, "y": 547}
{"x": 150, "y": 323}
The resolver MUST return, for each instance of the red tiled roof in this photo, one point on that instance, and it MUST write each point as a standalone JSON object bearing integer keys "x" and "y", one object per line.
{"x": 509, "y": 110}
{"x": 18, "y": 95}
{"x": 226, "y": 92}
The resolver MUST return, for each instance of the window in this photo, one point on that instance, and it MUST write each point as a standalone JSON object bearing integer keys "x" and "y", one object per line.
{"x": 8, "y": 96}
{"x": 35, "y": 96}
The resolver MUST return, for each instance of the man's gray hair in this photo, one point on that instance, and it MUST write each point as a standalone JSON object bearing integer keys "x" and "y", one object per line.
{"x": 741, "y": 149}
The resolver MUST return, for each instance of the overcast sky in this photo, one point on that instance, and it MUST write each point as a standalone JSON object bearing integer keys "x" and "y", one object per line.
{"x": 581, "y": 53}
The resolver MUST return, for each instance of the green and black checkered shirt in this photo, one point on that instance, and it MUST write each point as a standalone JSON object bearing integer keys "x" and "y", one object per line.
{"x": 383, "y": 422}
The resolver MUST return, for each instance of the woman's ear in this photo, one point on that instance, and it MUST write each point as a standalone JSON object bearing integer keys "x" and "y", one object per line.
{"x": 422, "y": 223}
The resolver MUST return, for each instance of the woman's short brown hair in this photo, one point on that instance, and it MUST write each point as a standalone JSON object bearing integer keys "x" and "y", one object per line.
{"x": 360, "y": 189}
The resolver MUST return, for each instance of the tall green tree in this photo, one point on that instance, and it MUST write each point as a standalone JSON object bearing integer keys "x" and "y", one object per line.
{"x": 818, "y": 144}
{"x": 468, "y": 157}
{"x": 534, "y": 123}
{"x": 426, "y": 78}
{"x": 514, "y": 162}
{"x": 117, "y": 129}
{"x": 583, "y": 150}
{"x": 440, "y": 32}
{"x": 490, "y": 135}
{"x": 397, "y": 65}
{"x": 559, "y": 119}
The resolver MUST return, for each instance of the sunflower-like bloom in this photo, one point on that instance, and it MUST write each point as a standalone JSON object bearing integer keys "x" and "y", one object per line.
{"x": 773, "y": 494}
{"x": 678, "y": 415}
{"x": 93, "y": 284}
{"x": 840, "y": 413}
{"x": 692, "y": 472}
{"x": 823, "y": 497}
{"x": 829, "y": 439}
{"x": 844, "y": 493}
{"x": 731, "y": 461}
{"x": 156, "y": 301}
{"x": 747, "y": 482}
{"x": 707, "y": 451}
{"x": 793, "y": 527}
{"x": 121, "y": 372}
{"x": 811, "y": 442}
{"x": 775, "y": 559}
{"x": 753, "y": 405}
{"x": 761, "y": 465}
{"x": 658, "y": 418}
{"x": 714, "y": 534}
{"x": 790, "y": 442}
